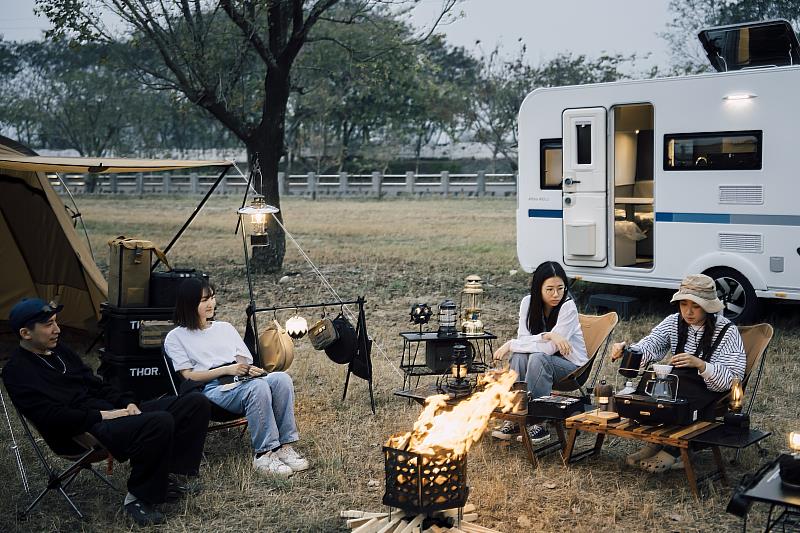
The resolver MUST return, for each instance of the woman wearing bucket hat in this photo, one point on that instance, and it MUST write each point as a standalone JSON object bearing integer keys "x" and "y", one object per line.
{"x": 205, "y": 351}
{"x": 708, "y": 356}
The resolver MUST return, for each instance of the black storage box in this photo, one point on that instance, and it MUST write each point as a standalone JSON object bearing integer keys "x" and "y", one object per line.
{"x": 146, "y": 377}
{"x": 164, "y": 285}
{"x": 647, "y": 410}
{"x": 556, "y": 407}
{"x": 439, "y": 353}
{"x": 121, "y": 328}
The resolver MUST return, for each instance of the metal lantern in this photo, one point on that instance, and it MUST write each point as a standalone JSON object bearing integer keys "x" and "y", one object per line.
{"x": 459, "y": 385}
{"x": 296, "y": 326}
{"x": 420, "y": 315}
{"x": 471, "y": 301}
{"x": 256, "y": 216}
{"x": 447, "y": 319}
{"x": 735, "y": 420}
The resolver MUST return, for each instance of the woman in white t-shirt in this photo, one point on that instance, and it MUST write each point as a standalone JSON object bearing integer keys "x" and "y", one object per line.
{"x": 203, "y": 350}
{"x": 549, "y": 343}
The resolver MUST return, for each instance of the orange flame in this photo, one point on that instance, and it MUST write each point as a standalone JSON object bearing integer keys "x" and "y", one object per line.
{"x": 440, "y": 429}
{"x": 737, "y": 393}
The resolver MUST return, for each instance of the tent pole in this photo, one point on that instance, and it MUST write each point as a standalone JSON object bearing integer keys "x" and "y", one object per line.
{"x": 192, "y": 216}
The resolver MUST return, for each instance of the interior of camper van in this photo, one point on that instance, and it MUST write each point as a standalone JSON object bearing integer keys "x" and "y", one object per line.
{"x": 633, "y": 185}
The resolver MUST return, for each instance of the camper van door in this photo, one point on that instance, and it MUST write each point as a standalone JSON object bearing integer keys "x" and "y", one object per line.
{"x": 584, "y": 187}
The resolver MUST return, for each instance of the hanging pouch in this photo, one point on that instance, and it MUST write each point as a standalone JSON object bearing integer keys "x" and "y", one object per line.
{"x": 322, "y": 334}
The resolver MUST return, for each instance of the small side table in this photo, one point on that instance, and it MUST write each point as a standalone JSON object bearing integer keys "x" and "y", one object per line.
{"x": 770, "y": 490}
{"x": 481, "y": 346}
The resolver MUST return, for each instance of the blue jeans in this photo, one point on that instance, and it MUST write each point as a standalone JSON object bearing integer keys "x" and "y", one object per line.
{"x": 540, "y": 371}
{"x": 268, "y": 404}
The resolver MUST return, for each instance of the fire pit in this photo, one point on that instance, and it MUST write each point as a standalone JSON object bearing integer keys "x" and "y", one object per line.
{"x": 424, "y": 483}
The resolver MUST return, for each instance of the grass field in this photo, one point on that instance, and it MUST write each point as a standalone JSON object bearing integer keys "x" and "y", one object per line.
{"x": 395, "y": 253}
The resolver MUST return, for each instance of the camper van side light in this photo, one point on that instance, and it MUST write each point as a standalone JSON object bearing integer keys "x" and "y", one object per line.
{"x": 738, "y": 96}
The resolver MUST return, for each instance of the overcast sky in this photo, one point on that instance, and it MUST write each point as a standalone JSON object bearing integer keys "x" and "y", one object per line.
{"x": 545, "y": 26}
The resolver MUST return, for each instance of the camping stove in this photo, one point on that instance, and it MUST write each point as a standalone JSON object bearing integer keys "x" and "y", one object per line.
{"x": 424, "y": 483}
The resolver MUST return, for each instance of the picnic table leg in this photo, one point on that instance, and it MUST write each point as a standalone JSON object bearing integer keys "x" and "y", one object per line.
{"x": 720, "y": 464}
{"x": 598, "y": 443}
{"x": 566, "y": 452}
{"x": 526, "y": 440}
{"x": 687, "y": 465}
{"x": 560, "y": 432}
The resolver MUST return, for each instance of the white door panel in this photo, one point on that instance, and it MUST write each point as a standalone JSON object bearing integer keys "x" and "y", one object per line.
{"x": 584, "y": 152}
{"x": 584, "y": 187}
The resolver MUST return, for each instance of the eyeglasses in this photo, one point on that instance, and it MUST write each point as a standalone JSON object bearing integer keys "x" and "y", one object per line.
{"x": 554, "y": 290}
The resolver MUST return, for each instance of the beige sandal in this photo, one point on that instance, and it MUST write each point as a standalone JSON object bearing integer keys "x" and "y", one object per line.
{"x": 646, "y": 452}
{"x": 661, "y": 462}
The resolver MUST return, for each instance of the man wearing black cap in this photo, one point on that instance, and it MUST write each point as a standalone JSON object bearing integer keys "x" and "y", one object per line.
{"x": 61, "y": 396}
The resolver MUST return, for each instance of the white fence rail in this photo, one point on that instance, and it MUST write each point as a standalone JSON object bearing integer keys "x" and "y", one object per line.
{"x": 374, "y": 185}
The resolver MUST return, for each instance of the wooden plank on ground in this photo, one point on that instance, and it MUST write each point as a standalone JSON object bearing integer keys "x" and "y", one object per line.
{"x": 415, "y": 523}
{"x": 391, "y": 524}
{"x": 372, "y": 526}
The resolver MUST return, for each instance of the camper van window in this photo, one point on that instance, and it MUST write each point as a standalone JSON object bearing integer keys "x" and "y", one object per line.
{"x": 550, "y": 164}
{"x": 730, "y": 150}
{"x": 583, "y": 138}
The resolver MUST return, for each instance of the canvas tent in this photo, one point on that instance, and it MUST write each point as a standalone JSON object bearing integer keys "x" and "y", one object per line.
{"x": 42, "y": 254}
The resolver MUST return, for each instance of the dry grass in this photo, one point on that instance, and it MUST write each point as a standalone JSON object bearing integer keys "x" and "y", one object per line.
{"x": 395, "y": 253}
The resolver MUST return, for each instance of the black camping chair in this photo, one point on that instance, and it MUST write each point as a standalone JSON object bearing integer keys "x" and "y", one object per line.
{"x": 92, "y": 452}
{"x": 222, "y": 418}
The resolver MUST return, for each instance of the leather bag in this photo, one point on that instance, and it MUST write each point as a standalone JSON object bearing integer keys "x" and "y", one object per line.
{"x": 322, "y": 334}
{"x": 276, "y": 348}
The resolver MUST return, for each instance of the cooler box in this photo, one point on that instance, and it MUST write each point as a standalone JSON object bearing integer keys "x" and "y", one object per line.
{"x": 145, "y": 376}
{"x": 133, "y": 330}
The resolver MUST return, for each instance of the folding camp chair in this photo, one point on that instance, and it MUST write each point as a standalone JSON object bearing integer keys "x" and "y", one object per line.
{"x": 222, "y": 418}
{"x": 93, "y": 452}
{"x": 596, "y": 335}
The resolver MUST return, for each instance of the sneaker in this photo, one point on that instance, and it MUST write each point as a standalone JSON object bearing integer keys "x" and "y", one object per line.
{"x": 537, "y": 433}
{"x": 270, "y": 464}
{"x": 506, "y": 431}
{"x": 143, "y": 513}
{"x": 180, "y": 485}
{"x": 291, "y": 458}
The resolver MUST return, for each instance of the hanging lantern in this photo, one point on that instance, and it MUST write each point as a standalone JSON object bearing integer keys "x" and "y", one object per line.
{"x": 471, "y": 302}
{"x": 447, "y": 319}
{"x": 255, "y": 218}
{"x": 296, "y": 326}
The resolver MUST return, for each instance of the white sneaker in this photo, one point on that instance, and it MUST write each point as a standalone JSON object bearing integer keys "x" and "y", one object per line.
{"x": 269, "y": 463}
{"x": 291, "y": 458}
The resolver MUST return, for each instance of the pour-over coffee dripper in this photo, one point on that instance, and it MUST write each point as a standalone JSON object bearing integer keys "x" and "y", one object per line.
{"x": 664, "y": 386}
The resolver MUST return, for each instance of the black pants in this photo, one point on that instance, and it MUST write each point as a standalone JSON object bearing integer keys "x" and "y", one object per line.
{"x": 168, "y": 436}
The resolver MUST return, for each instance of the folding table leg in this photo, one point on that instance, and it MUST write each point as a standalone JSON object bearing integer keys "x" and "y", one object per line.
{"x": 687, "y": 466}
{"x": 566, "y": 453}
{"x": 720, "y": 464}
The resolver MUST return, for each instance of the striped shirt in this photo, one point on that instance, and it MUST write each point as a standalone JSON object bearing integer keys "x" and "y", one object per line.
{"x": 726, "y": 363}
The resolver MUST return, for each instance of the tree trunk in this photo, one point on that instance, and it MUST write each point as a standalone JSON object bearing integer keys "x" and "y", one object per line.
{"x": 266, "y": 146}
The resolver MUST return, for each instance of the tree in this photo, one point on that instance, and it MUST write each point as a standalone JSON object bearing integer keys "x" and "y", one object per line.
{"x": 691, "y": 16}
{"x": 233, "y": 58}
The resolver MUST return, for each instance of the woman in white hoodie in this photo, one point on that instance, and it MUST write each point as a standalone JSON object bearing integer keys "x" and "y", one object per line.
{"x": 549, "y": 343}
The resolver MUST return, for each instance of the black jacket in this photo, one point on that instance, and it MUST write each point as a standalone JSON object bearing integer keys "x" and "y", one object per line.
{"x": 59, "y": 403}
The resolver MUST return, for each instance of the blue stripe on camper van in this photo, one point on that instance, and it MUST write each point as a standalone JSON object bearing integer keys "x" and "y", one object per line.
{"x": 723, "y": 218}
{"x": 544, "y": 213}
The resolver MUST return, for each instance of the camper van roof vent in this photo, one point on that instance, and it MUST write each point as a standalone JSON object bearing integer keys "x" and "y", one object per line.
{"x": 772, "y": 43}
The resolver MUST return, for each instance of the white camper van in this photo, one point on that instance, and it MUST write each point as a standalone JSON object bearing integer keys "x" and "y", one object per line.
{"x": 642, "y": 182}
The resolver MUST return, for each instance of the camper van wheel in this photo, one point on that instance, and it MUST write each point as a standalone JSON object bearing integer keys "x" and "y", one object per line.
{"x": 736, "y": 293}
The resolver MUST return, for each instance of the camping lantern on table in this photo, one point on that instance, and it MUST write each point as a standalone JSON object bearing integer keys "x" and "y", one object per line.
{"x": 255, "y": 218}
{"x": 789, "y": 463}
{"x": 458, "y": 383}
{"x": 420, "y": 315}
{"x": 735, "y": 420}
{"x": 447, "y": 319}
{"x": 471, "y": 299}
